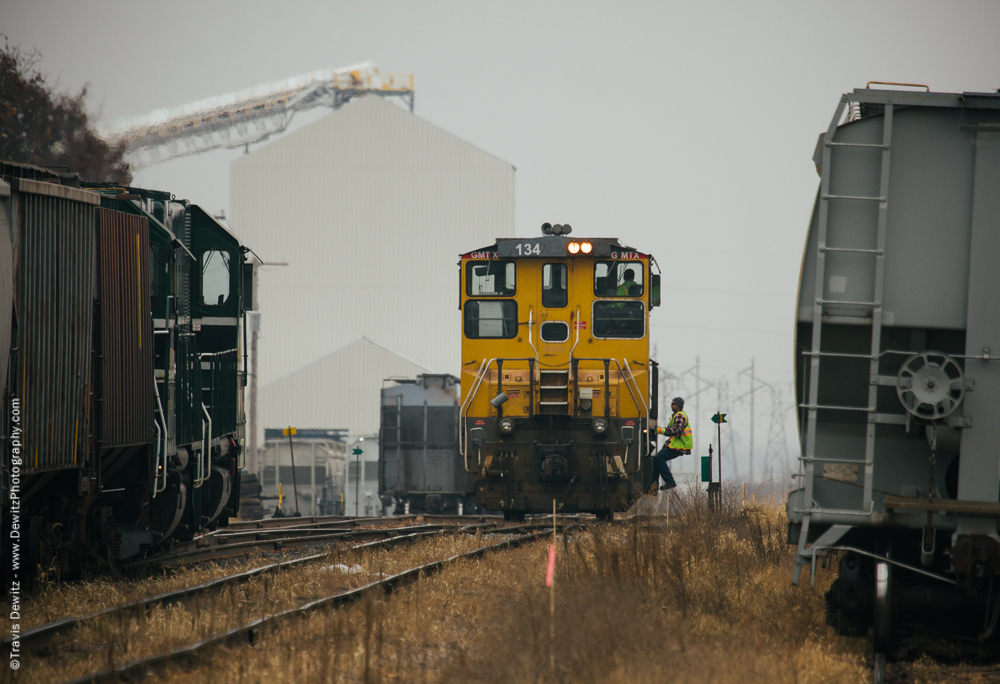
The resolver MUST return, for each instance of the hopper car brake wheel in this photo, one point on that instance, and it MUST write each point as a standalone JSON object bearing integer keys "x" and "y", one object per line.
{"x": 930, "y": 385}
{"x": 882, "y": 619}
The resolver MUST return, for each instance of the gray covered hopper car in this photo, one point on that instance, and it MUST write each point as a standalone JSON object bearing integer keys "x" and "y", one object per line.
{"x": 898, "y": 380}
{"x": 419, "y": 462}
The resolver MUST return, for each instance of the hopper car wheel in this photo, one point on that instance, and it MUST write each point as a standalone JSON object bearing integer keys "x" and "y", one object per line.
{"x": 930, "y": 385}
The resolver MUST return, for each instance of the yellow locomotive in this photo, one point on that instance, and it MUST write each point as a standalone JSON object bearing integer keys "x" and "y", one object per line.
{"x": 558, "y": 389}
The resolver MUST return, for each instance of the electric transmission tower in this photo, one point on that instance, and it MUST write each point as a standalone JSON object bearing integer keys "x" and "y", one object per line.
{"x": 776, "y": 452}
{"x": 776, "y": 457}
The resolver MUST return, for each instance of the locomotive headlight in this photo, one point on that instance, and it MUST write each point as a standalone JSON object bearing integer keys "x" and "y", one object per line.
{"x": 586, "y": 247}
{"x": 506, "y": 426}
{"x": 574, "y": 247}
{"x": 600, "y": 426}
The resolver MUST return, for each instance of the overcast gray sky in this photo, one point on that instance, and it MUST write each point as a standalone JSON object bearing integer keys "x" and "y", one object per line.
{"x": 685, "y": 129}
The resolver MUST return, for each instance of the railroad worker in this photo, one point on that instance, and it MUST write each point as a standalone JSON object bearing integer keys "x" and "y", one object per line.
{"x": 681, "y": 442}
{"x": 628, "y": 283}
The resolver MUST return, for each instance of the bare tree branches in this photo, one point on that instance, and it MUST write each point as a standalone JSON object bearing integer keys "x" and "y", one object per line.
{"x": 44, "y": 128}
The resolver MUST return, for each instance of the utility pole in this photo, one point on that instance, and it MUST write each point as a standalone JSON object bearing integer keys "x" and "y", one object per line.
{"x": 697, "y": 405}
{"x": 290, "y": 431}
{"x": 357, "y": 477}
{"x": 752, "y": 417}
{"x": 254, "y": 320}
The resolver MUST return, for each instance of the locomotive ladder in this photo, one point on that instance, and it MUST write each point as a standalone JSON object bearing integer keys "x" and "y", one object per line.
{"x": 553, "y": 394}
{"x": 817, "y": 325}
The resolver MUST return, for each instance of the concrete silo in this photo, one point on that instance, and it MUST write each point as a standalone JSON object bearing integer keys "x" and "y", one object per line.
{"x": 369, "y": 206}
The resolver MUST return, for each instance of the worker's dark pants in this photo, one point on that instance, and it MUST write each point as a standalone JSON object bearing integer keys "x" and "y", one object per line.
{"x": 660, "y": 467}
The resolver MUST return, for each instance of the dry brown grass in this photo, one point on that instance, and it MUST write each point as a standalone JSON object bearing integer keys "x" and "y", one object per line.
{"x": 705, "y": 599}
{"x": 115, "y": 640}
{"x": 56, "y": 600}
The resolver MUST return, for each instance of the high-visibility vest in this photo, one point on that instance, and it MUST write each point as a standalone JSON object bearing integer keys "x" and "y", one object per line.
{"x": 685, "y": 440}
{"x": 624, "y": 289}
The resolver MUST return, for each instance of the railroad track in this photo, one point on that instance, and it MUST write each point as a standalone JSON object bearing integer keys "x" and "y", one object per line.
{"x": 37, "y": 639}
{"x": 281, "y": 534}
{"x": 253, "y": 631}
{"x": 282, "y": 539}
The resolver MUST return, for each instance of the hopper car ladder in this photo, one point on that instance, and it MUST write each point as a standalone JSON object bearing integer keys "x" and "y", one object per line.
{"x": 825, "y": 198}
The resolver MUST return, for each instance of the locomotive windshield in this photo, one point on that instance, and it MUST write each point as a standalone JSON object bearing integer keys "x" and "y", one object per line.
{"x": 490, "y": 279}
{"x": 554, "y": 293}
{"x": 619, "y": 319}
{"x": 618, "y": 279}
{"x": 484, "y": 319}
{"x": 214, "y": 277}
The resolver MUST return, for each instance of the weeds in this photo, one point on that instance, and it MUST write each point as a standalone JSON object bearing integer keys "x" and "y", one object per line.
{"x": 703, "y": 598}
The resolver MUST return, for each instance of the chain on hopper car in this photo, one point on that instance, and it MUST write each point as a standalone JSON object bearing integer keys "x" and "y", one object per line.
{"x": 898, "y": 382}
{"x": 558, "y": 388}
{"x": 124, "y": 384}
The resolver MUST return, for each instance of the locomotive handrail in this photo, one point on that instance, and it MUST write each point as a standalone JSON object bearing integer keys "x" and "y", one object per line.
{"x": 530, "y": 342}
{"x": 481, "y": 374}
{"x": 156, "y": 460}
{"x": 166, "y": 437}
{"x": 467, "y": 403}
{"x": 635, "y": 382}
{"x": 204, "y": 463}
{"x": 639, "y": 404}
{"x": 573, "y": 349}
{"x": 465, "y": 408}
{"x": 645, "y": 410}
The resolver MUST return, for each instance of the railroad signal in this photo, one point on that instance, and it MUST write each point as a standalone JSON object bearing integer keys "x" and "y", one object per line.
{"x": 719, "y": 418}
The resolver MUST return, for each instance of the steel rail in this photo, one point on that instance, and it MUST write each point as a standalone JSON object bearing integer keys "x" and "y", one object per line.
{"x": 230, "y": 531}
{"x": 269, "y": 523}
{"x": 224, "y": 550}
{"x": 37, "y": 637}
{"x": 249, "y": 633}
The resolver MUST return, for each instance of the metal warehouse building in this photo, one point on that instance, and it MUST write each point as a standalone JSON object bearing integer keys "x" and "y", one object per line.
{"x": 336, "y": 391}
{"x": 370, "y": 207}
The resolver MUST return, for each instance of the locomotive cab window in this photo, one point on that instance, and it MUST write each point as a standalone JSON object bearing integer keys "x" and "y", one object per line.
{"x": 554, "y": 331}
{"x": 622, "y": 320}
{"x": 618, "y": 279}
{"x": 486, "y": 320}
{"x": 215, "y": 277}
{"x": 554, "y": 292}
{"x": 490, "y": 278}
{"x": 154, "y": 274}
